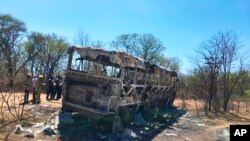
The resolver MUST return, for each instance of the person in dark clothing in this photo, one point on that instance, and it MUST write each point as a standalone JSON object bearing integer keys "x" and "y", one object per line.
{"x": 58, "y": 87}
{"x": 50, "y": 89}
{"x": 27, "y": 87}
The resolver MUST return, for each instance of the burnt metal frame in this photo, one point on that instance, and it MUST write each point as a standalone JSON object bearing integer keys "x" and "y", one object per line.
{"x": 125, "y": 61}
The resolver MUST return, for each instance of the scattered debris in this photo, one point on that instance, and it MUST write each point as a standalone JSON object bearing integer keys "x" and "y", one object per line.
{"x": 49, "y": 130}
{"x": 157, "y": 125}
{"x": 129, "y": 134}
{"x": 166, "y": 116}
{"x": 103, "y": 136}
{"x": 139, "y": 120}
{"x": 56, "y": 120}
{"x": 139, "y": 129}
{"x": 39, "y": 125}
{"x": 146, "y": 128}
{"x": 65, "y": 118}
{"x": 171, "y": 134}
{"x": 223, "y": 134}
{"x": 19, "y": 129}
{"x": 200, "y": 124}
{"x": 30, "y": 134}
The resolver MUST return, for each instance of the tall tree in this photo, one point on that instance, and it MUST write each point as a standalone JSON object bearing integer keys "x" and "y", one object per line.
{"x": 232, "y": 62}
{"x": 52, "y": 54}
{"x": 146, "y": 46}
{"x": 150, "y": 48}
{"x": 222, "y": 66}
{"x": 34, "y": 45}
{"x": 11, "y": 34}
{"x": 127, "y": 43}
{"x": 171, "y": 63}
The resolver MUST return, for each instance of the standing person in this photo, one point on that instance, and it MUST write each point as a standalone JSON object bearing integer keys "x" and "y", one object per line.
{"x": 58, "y": 87}
{"x": 38, "y": 89}
{"x": 34, "y": 81}
{"x": 27, "y": 86}
{"x": 50, "y": 89}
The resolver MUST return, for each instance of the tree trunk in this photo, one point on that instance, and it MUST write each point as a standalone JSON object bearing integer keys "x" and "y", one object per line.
{"x": 246, "y": 106}
{"x": 32, "y": 68}
{"x": 210, "y": 103}
{"x": 196, "y": 107}
{"x": 210, "y": 100}
{"x": 238, "y": 105}
{"x": 10, "y": 73}
{"x": 232, "y": 106}
{"x": 225, "y": 104}
{"x": 183, "y": 100}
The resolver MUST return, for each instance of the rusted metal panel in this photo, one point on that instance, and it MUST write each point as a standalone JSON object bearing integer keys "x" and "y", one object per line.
{"x": 109, "y": 57}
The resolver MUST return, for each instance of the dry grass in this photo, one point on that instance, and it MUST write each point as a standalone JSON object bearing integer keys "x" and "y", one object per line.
{"x": 243, "y": 113}
{"x": 189, "y": 104}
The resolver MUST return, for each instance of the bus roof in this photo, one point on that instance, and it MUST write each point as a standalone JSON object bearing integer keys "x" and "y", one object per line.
{"x": 117, "y": 59}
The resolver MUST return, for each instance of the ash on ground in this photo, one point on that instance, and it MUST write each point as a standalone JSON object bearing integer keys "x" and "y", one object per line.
{"x": 145, "y": 126}
{"x": 174, "y": 124}
{"x": 72, "y": 126}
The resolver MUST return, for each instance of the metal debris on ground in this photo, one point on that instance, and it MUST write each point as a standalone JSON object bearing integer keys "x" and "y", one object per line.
{"x": 65, "y": 118}
{"x": 129, "y": 134}
{"x": 49, "y": 130}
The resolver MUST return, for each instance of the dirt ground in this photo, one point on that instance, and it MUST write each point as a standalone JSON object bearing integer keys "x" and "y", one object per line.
{"x": 33, "y": 113}
{"x": 194, "y": 126}
{"x": 197, "y": 127}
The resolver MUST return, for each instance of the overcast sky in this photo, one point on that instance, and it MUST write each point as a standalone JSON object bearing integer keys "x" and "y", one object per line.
{"x": 180, "y": 24}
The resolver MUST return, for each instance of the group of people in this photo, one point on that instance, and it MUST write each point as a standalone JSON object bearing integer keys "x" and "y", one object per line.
{"x": 36, "y": 85}
{"x": 54, "y": 88}
{"x": 33, "y": 84}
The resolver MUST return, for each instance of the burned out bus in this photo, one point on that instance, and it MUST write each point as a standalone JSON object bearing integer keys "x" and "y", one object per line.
{"x": 104, "y": 83}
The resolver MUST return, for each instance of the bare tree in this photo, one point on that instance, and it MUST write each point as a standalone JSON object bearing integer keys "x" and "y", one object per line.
{"x": 97, "y": 44}
{"x": 82, "y": 38}
{"x": 233, "y": 64}
{"x": 221, "y": 67}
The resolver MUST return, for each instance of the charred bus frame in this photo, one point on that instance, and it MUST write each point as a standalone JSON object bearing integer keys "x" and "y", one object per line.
{"x": 102, "y": 83}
